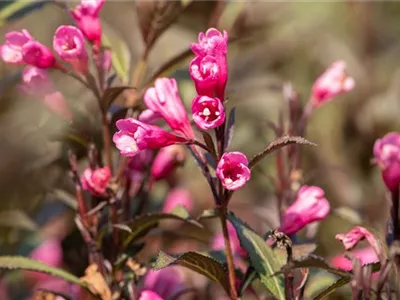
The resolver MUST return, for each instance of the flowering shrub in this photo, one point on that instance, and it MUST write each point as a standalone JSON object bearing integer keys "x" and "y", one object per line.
{"x": 144, "y": 148}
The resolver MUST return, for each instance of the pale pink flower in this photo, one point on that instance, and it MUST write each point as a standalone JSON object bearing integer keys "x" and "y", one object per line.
{"x": 208, "y": 112}
{"x": 149, "y": 116}
{"x": 333, "y": 82}
{"x": 69, "y": 44}
{"x": 96, "y": 181}
{"x": 387, "y": 156}
{"x": 365, "y": 255}
{"x": 233, "y": 170}
{"x": 149, "y": 295}
{"x": 166, "y": 160}
{"x": 164, "y": 100}
{"x": 310, "y": 206}
{"x": 218, "y": 242}
{"x": 166, "y": 282}
{"x": 11, "y": 50}
{"x": 38, "y": 55}
{"x": 177, "y": 196}
{"x": 134, "y": 136}
{"x": 213, "y": 42}
{"x": 357, "y": 234}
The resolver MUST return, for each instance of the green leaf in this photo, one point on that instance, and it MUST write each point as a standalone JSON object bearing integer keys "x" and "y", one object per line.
{"x": 262, "y": 257}
{"x": 110, "y": 94}
{"x": 18, "y": 9}
{"x": 299, "y": 252}
{"x": 277, "y": 144}
{"x": 120, "y": 55}
{"x": 197, "y": 262}
{"x": 317, "y": 283}
{"x": 24, "y": 263}
{"x": 17, "y": 219}
{"x": 249, "y": 277}
{"x": 209, "y": 214}
{"x": 331, "y": 289}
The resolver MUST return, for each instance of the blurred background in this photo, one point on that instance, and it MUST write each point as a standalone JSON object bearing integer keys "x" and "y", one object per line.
{"x": 275, "y": 43}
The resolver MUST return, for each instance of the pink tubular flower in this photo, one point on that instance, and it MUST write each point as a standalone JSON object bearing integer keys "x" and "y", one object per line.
{"x": 166, "y": 282}
{"x": 166, "y": 161}
{"x": 177, "y": 196}
{"x": 365, "y": 255}
{"x": 134, "y": 136}
{"x": 164, "y": 100}
{"x": 387, "y": 156}
{"x": 96, "y": 181}
{"x": 206, "y": 75}
{"x": 232, "y": 170}
{"x": 69, "y": 44}
{"x": 357, "y": 234}
{"x": 332, "y": 83}
{"x": 310, "y": 206}
{"x": 38, "y": 55}
{"x": 149, "y": 116}
{"x": 213, "y": 42}
{"x": 86, "y": 15}
{"x": 218, "y": 242}
{"x": 208, "y": 112}
{"x": 149, "y": 295}
{"x": 138, "y": 165}
{"x": 11, "y": 50}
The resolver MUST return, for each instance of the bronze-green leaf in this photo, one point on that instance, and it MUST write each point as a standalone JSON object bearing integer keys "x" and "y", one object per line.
{"x": 339, "y": 283}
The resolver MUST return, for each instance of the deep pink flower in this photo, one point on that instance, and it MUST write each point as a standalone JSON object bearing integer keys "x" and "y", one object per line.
{"x": 387, "y": 156}
{"x": 96, "y": 181}
{"x": 310, "y": 206}
{"x": 69, "y": 44}
{"x": 166, "y": 161}
{"x": 166, "y": 282}
{"x": 164, "y": 100}
{"x": 208, "y": 112}
{"x": 11, "y": 50}
{"x": 218, "y": 242}
{"x": 357, "y": 234}
{"x": 213, "y": 42}
{"x": 38, "y": 55}
{"x": 134, "y": 136}
{"x": 149, "y": 295}
{"x": 333, "y": 82}
{"x": 177, "y": 196}
{"x": 86, "y": 15}
{"x": 232, "y": 170}
{"x": 365, "y": 255}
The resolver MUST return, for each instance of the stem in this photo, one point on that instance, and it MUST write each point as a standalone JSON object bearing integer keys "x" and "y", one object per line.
{"x": 395, "y": 214}
{"x": 229, "y": 254}
{"x": 107, "y": 140}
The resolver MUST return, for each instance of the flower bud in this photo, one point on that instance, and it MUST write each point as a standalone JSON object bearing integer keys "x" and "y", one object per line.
{"x": 213, "y": 42}
{"x": 96, "y": 181}
{"x": 166, "y": 161}
{"x": 233, "y": 170}
{"x": 38, "y": 55}
{"x": 310, "y": 206}
{"x": 357, "y": 234}
{"x": 178, "y": 196}
{"x": 11, "y": 50}
{"x": 208, "y": 112}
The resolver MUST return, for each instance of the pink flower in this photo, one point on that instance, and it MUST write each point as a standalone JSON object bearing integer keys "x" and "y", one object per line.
{"x": 218, "y": 243}
{"x": 213, "y": 42}
{"x": 357, "y": 234}
{"x": 96, "y": 181}
{"x": 149, "y": 116}
{"x": 332, "y": 83}
{"x": 208, "y": 112}
{"x": 134, "y": 136}
{"x": 232, "y": 170}
{"x": 365, "y": 255}
{"x": 69, "y": 44}
{"x": 86, "y": 15}
{"x": 166, "y": 282}
{"x": 166, "y": 161}
{"x": 310, "y": 206}
{"x": 149, "y": 295}
{"x": 38, "y": 55}
{"x": 387, "y": 156}
{"x": 138, "y": 165}
{"x": 164, "y": 100}
{"x": 178, "y": 196}
{"x": 11, "y": 50}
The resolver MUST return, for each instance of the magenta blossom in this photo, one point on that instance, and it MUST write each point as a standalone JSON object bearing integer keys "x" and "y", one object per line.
{"x": 11, "y": 50}
{"x": 86, "y": 15}
{"x": 213, "y": 42}
{"x": 206, "y": 75}
{"x": 149, "y": 295}
{"x": 38, "y": 55}
{"x": 96, "y": 181}
{"x": 332, "y": 83}
{"x": 166, "y": 161}
{"x": 177, "y": 196}
{"x": 310, "y": 206}
{"x": 69, "y": 44}
{"x": 208, "y": 112}
{"x": 387, "y": 156}
{"x": 166, "y": 283}
{"x": 357, "y": 234}
{"x": 164, "y": 100}
{"x": 365, "y": 255}
{"x": 233, "y": 170}
{"x": 134, "y": 136}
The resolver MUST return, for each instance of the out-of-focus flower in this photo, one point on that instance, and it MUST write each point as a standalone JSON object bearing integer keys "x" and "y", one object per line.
{"x": 137, "y": 165}
{"x": 96, "y": 181}
{"x": 213, "y": 42}
{"x": 86, "y": 15}
{"x": 177, "y": 196}
{"x": 333, "y": 82}
{"x": 166, "y": 282}
{"x": 387, "y": 156}
{"x": 134, "y": 136}
{"x": 233, "y": 170}
{"x": 310, "y": 206}
{"x": 38, "y": 55}
{"x": 105, "y": 61}
{"x": 150, "y": 117}
{"x": 11, "y": 50}
{"x": 149, "y": 295}
{"x": 208, "y": 112}
{"x": 164, "y": 100}
{"x": 166, "y": 161}
{"x": 218, "y": 242}
{"x": 357, "y": 234}
{"x": 69, "y": 44}
{"x": 365, "y": 255}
